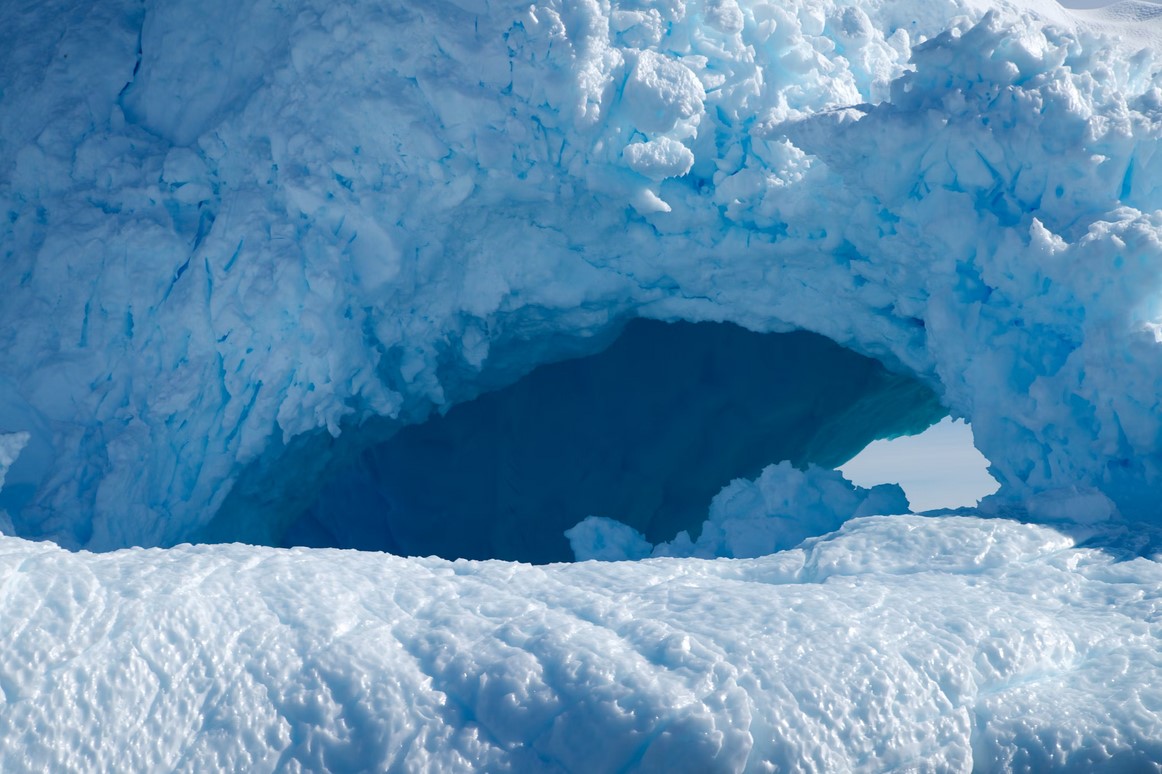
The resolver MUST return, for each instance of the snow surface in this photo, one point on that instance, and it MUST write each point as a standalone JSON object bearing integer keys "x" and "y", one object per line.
{"x": 900, "y": 643}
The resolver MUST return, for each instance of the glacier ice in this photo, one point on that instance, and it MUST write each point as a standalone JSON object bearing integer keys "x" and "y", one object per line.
{"x": 229, "y": 246}
{"x": 241, "y": 243}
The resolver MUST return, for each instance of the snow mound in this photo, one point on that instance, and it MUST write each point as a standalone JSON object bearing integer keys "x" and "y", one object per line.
{"x": 897, "y": 643}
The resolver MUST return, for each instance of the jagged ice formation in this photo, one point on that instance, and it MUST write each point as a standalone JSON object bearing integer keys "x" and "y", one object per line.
{"x": 236, "y": 231}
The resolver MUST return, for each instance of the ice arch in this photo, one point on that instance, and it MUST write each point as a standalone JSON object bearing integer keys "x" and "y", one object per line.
{"x": 225, "y": 244}
{"x": 647, "y": 431}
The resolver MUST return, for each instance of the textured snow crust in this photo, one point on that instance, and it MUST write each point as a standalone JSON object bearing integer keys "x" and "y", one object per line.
{"x": 898, "y": 643}
{"x": 235, "y": 232}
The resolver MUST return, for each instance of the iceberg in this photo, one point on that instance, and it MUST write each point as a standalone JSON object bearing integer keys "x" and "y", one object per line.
{"x": 238, "y": 235}
{"x": 251, "y": 251}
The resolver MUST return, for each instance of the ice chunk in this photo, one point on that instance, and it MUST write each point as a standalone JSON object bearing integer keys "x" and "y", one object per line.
{"x": 191, "y": 73}
{"x": 780, "y": 509}
{"x": 227, "y": 244}
{"x": 659, "y": 159}
{"x": 11, "y": 444}
{"x": 663, "y": 95}
{"x": 606, "y": 540}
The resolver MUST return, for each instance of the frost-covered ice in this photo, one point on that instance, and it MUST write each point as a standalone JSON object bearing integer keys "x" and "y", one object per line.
{"x": 243, "y": 242}
{"x": 899, "y": 643}
{"x": 236, "y": 233}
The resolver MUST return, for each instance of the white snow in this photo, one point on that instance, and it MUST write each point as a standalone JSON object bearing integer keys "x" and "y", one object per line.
{"x": 898, "y": 643}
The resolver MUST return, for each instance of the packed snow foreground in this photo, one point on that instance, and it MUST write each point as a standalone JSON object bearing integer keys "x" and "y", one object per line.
{"x": 898, "y": 643}
{"x": 243, "y": 242}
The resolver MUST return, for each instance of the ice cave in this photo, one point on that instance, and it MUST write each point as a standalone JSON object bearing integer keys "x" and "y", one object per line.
{"x": 648, "y": 431}
{"x": 466, "y": 385}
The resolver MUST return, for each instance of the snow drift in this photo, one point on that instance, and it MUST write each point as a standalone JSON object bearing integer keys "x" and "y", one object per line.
{"x": 901, "y": 643}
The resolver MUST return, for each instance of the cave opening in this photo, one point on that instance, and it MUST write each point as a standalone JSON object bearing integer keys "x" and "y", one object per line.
{"x": 645, "y": 432}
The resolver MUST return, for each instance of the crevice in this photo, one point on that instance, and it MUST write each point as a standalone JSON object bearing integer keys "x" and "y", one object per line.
{"x": 136, "y": 64}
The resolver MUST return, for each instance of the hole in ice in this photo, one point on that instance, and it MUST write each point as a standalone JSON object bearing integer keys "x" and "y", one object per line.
{"x": 939, "y": 468}
{"x": 646, "y": 432}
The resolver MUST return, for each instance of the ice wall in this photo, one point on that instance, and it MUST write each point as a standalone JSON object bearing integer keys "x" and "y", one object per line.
{"x": 235, "y": 230}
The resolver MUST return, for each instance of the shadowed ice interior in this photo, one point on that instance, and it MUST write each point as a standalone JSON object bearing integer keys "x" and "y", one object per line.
{"x": 645, "y": 432}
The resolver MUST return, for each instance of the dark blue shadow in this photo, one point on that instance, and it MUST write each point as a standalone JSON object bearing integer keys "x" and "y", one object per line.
{"x": 646, "y": 432}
